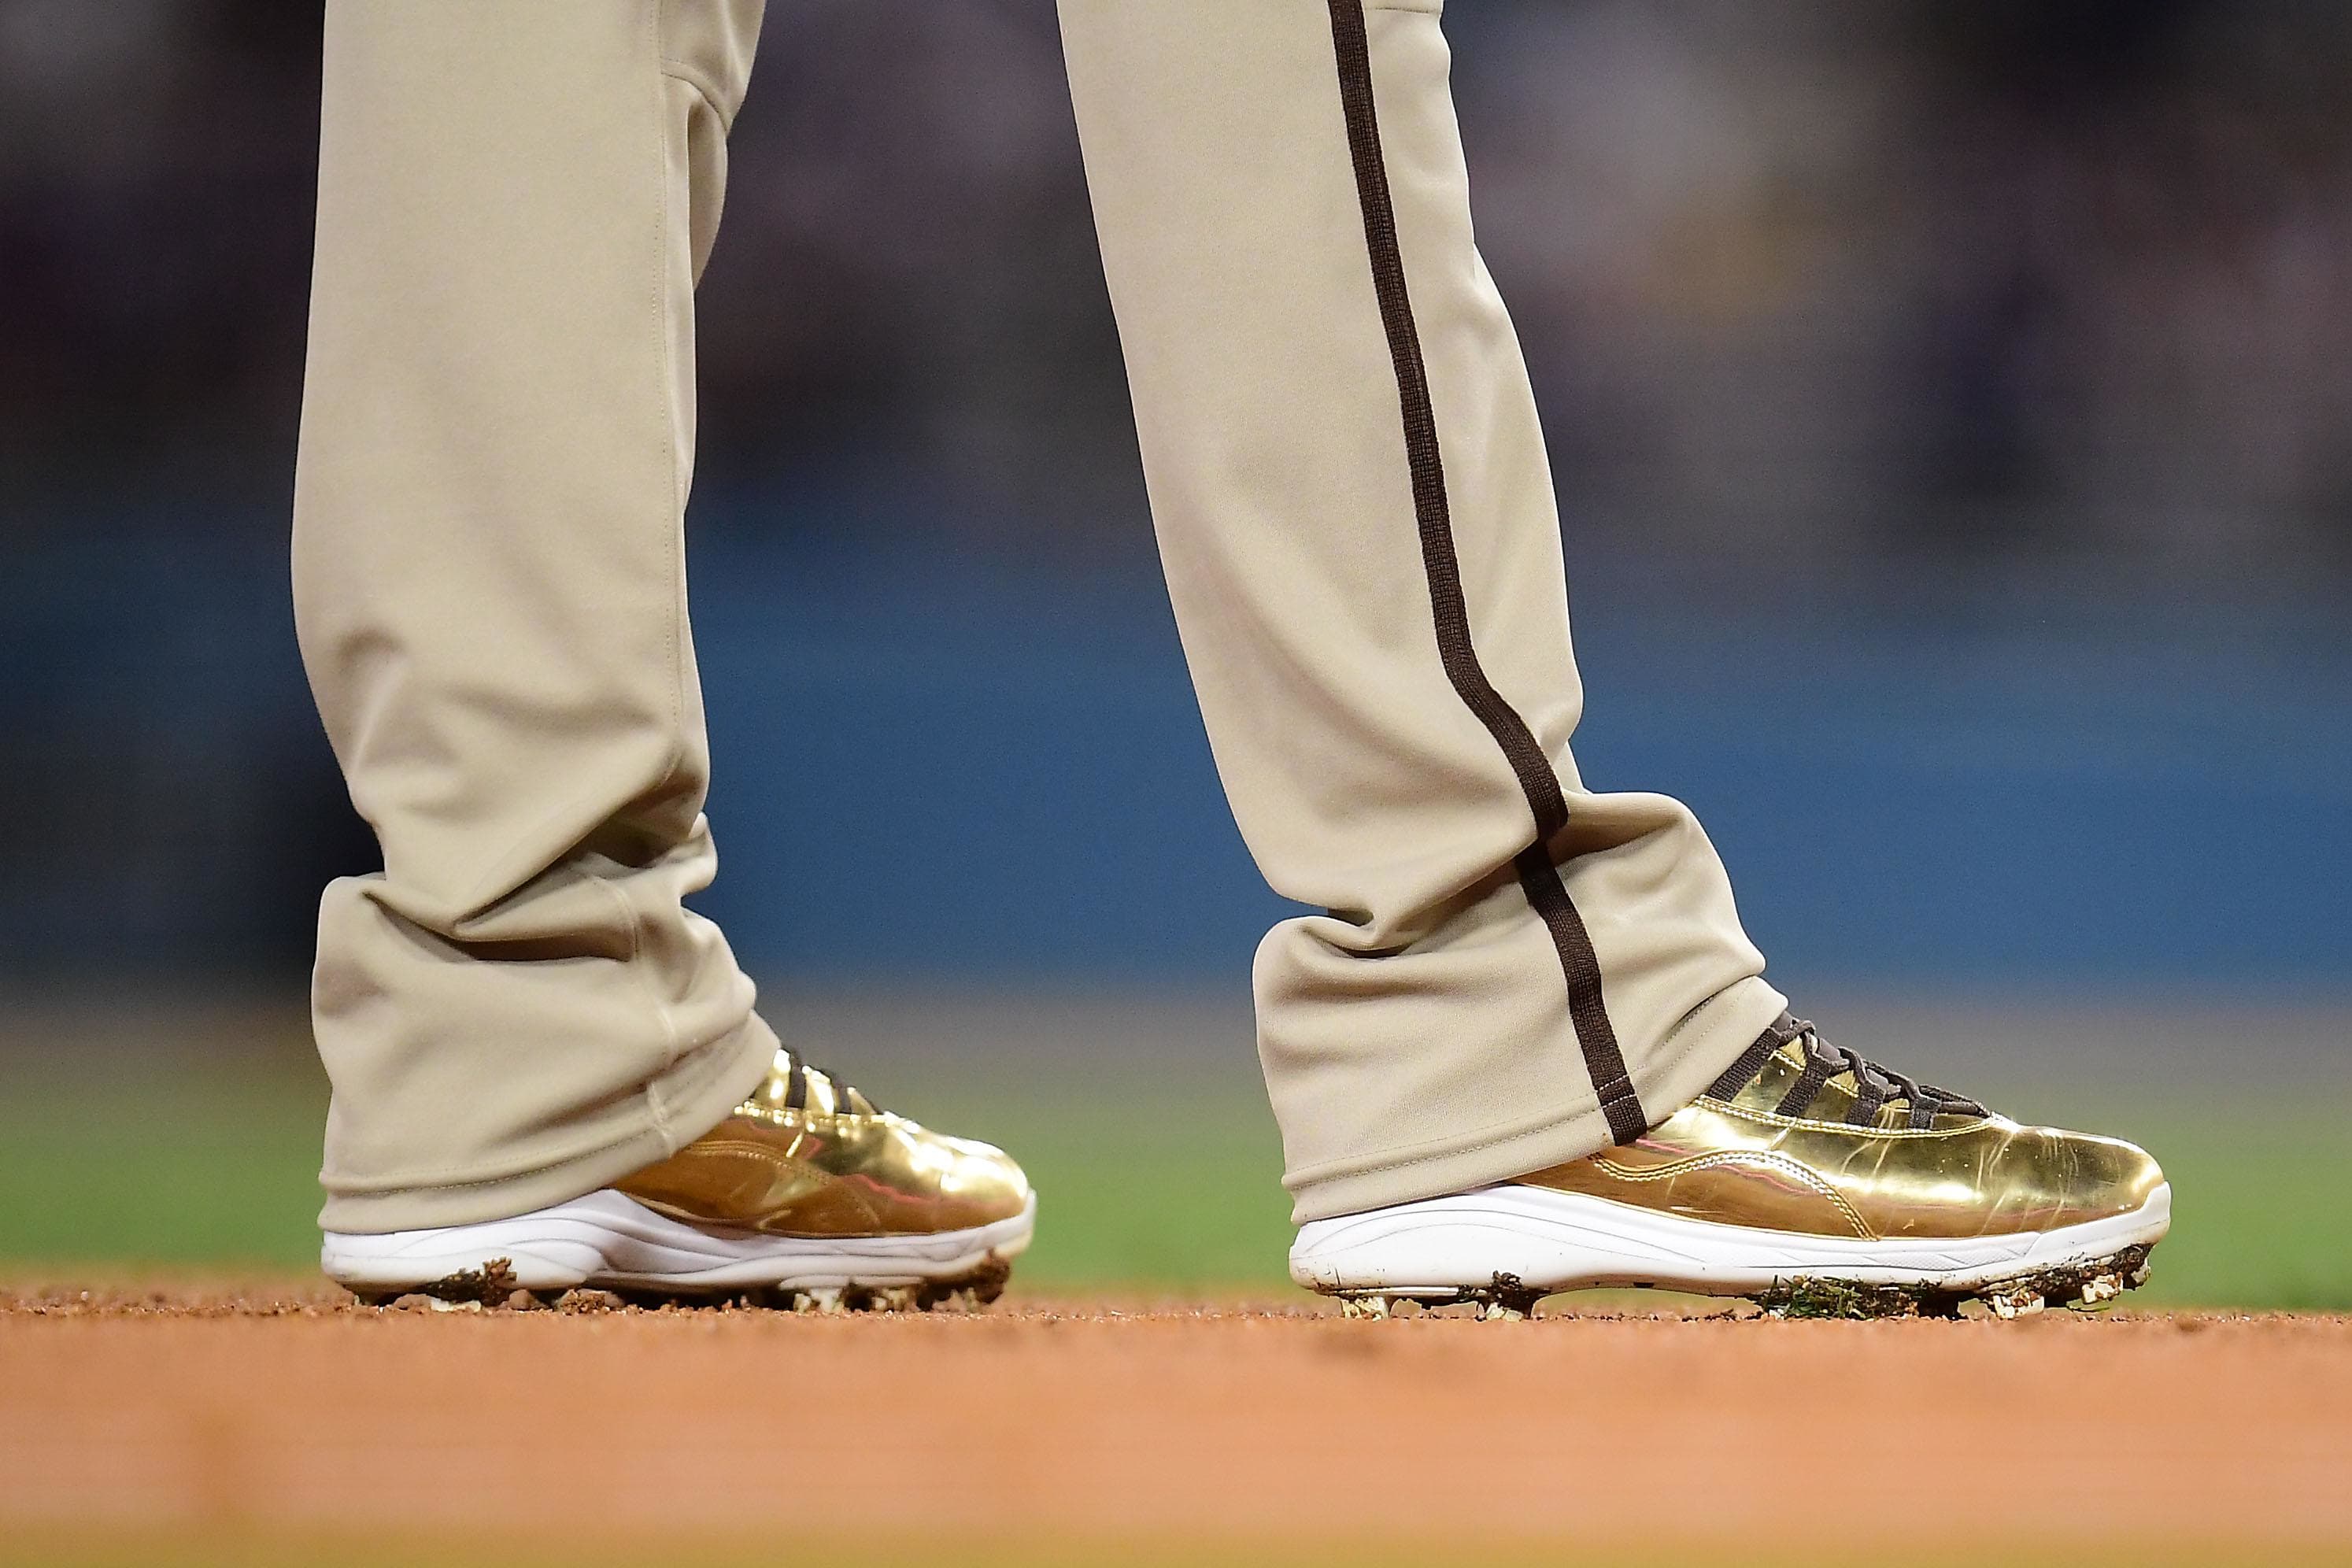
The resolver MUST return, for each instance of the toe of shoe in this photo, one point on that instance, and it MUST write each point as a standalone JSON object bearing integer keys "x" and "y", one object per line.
{"x": 2085, "y": 1177}
{"x": 982, "y": 1184}
{"x": 2118, "y": 1177}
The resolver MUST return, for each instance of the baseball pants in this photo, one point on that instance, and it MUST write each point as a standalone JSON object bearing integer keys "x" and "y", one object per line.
{"x": 1353, "y": 508}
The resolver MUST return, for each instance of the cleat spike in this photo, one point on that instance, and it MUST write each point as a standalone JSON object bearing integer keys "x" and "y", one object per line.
{"x": 987, "y": 1282}
{"x": 1513, "y": 1295}
{"x": 2018, "y": 1301}
{"x": 2098, "y": 1291}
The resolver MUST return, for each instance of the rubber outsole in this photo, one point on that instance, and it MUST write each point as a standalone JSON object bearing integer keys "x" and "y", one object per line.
{"x": 605, "y": 1242}
{"x": 1505, "y": 1249}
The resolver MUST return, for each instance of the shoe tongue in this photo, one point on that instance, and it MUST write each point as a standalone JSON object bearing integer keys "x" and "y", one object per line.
{"x": 1793, "y": 1054}
{"x": 1764, "y": 1089}
{"x": 1841, "y": 1087}
{"x": 1847, "y": 1081}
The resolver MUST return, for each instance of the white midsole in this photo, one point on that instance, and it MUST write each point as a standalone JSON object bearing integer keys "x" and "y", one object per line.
{"x": 1565, "y": 1241}
{"x": 608, "y": 1239}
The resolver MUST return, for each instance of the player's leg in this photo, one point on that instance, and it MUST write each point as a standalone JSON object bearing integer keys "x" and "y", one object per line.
{"x": 1369, "y": 583}
{"x": 538, "y": 1053}
{"x": 1511, "y": 974}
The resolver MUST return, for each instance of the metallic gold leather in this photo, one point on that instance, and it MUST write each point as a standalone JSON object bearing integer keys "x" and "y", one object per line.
{"x": 833, "y": 1167}
{"x": 1741, "y": 1163}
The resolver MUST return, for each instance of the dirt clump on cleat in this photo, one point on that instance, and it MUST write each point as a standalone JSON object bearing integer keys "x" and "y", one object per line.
{"x": 2085, "y": 1286}
{"x": 1504, "y": 1299}
{"x": 987, "y": 1282}
{"x": 968, "y": 1292}
{"x": 2009, "y": 1301}
{"x": 1804, "y": 1297}
{"x": 581, "y": 1299}
{"x": 489, "y": 1286}
{"x": 880, "y": 1298}
{"x": 972, "y": 1291}
{"x": 965, "y": 1293}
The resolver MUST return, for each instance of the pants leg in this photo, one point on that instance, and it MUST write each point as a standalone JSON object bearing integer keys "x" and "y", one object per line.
{"x": 1355, "y": 514}
{"x": 515, "y": 198}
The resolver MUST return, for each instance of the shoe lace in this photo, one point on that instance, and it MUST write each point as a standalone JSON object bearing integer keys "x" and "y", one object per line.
{"x": 846, "y": 1100}
{"x": 1874, "y": 1087}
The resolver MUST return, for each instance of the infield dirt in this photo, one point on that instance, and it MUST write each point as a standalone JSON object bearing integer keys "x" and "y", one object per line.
{"x": 249, "y": 1413}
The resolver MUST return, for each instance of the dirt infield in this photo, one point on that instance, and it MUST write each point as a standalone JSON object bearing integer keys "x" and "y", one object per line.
{"x": 293, "y": 1409}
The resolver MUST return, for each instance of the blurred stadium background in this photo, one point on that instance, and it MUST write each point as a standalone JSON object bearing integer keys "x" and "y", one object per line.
{"x": 1951, "y": 408}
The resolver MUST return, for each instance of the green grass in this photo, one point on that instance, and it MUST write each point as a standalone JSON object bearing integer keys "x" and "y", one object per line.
{"x": 1144, "y": 1183}
{"x": 162, "y": 1168}
{"x": 2260, "y": 1215}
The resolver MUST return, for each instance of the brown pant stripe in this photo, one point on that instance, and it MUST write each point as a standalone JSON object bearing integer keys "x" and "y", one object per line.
{"x": 1538, "y": 877}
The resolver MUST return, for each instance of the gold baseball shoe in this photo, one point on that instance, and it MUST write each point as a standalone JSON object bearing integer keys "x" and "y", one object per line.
{"x": 1807, "y": 1178}
{"x": 806, "y": 1195}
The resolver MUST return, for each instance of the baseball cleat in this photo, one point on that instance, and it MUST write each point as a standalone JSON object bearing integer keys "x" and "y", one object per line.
{"x": 1808, "y": 1179}
{"x": 806, "y": 1196}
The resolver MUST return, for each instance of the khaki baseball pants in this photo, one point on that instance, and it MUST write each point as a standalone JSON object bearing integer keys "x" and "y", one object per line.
{"x": 1353, "y": 506}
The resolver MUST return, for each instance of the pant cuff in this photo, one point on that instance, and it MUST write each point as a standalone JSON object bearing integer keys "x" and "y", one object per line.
{"x": 689, "y": 1100}
{"x": 1669, "y": 1076}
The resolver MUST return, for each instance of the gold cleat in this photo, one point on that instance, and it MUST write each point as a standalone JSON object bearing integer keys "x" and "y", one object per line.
{"x": 1807, "y": 1178}
{"x": 806, "y": 1196}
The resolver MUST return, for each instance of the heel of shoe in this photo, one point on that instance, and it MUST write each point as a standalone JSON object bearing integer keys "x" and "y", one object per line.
{"x": 452, "y": 1268}
{"x": 1439, "y": 1249}
{"x": 550, "y": 1249}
